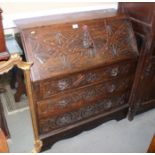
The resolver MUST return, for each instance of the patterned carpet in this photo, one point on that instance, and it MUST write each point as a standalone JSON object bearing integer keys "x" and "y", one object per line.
{"x": 8, "y": 100}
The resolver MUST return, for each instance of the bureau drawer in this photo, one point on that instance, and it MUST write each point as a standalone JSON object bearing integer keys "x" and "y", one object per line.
{"x": 54, "y": 86}
{"x": 80, "y": 97}
{"x": 74, "y": 116}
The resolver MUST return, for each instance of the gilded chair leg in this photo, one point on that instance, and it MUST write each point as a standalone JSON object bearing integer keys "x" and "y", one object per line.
{"x": 37, "y": 146}
{"x": 37, "y": 141}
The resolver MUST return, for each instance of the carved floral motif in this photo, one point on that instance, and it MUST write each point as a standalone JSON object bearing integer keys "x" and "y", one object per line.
{"x": 66, "y": 47}
{"x": 85, "y": 95}
{"x": 52, "y": 87}
{"x": 84, "y": 112}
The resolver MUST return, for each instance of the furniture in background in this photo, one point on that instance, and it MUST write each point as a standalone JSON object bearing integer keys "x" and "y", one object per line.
{"x": 84, "y": 65}
{"x": 3, "y": 123}
{"x": 17, "y": 77}
{"x": 3, "y": 143}
{"x": 9, "y": 46}
{"x": 4, "y": 55}
{"x": 142, "y": 16}
{"x": 5, "y": 66}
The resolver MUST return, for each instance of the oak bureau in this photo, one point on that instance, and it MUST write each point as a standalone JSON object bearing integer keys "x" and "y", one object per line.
{"x": 84, "y": 65}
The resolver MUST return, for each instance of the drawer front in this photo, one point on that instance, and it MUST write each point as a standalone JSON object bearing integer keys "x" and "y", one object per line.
{"x": 68, "y": 118}
{"x": 54, "y": 86}
{"x": 80, "y": 97}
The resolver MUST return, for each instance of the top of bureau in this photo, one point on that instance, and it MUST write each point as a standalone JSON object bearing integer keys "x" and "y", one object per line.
{"x": 74, "y": 42}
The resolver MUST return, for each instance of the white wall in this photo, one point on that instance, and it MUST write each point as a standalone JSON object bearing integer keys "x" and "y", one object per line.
{"x": 18, "y": 10}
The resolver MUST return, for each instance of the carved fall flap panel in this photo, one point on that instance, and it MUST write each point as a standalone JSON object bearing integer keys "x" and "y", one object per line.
{"x": 64, "y": 48}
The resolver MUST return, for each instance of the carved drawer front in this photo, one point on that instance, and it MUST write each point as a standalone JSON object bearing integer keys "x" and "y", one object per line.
{"x": 100, "y": 106}
{"x": 80, "y": 97}
{"x": 54, "y": 86}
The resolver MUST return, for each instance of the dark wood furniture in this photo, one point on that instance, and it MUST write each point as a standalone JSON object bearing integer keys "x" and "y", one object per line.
{"x": 15, "y": 75}
{"x": 84, "y": 65}
{"x": 13, "y": 45}
{"x": 3, "y": 123}
{"x": 3, "y": 143}
{"x": 142, "y": 16}
{"x": 3, "y": 56}
{"x": 20, "y": 89}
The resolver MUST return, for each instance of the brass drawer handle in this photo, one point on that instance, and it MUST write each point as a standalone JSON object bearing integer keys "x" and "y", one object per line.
{"x": 108, "y": 104}
{"x": 62, "y": 84}
{"x": 111, "y": 88}
{"x": 114, "y": 72}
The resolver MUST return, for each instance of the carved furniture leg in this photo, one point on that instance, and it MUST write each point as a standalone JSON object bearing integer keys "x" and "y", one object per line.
{"x": 130, "y": 114}
{"x": 3, "y": 123}
{"x": 132, "y": 111}
{"x": 21, "y": 86}
{"x": 13, "y": 78}
{"x": 38, "y": 143}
